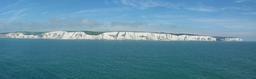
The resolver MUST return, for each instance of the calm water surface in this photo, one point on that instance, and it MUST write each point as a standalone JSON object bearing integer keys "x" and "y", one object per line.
{"x": 78, "y": 59}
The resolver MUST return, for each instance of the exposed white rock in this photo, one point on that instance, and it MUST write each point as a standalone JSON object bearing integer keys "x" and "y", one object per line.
{"x": 119, "y": 36}
{"x": 233, "y": 39}
{"x": 21, "y": 35}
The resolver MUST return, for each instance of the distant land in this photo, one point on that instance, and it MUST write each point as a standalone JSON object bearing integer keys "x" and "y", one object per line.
{"x": 115, "y": 35}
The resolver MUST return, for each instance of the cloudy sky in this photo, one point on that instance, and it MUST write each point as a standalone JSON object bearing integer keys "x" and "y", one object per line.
{"x": 208, "y": 17}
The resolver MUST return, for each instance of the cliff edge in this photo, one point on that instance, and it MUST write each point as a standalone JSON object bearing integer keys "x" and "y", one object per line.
{"x": 90, "y": 35}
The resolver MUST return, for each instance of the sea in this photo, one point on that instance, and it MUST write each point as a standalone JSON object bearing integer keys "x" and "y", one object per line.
{"x": 102, "y": 59}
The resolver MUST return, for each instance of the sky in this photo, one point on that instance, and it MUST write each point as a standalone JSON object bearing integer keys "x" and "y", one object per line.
{"x": 234, "y": 18}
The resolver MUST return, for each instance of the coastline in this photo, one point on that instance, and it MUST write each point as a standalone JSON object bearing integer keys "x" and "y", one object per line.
{"x": 137, "y": 36}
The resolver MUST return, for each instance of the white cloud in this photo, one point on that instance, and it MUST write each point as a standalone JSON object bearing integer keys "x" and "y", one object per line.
{"x": 236, "y": 8}
{"x": 12, "y": 15}
{"x": 149, "y": 4}
{"x": 202, "y": 9}
{"x": 13, "y": 11}
{"x": 11, "y": 6}
{"x": 99, "y": 10}
{"x": 145, "y": 4}
{"x": 241, "y": 1}
{"x": 250, "y": 13}
{"x": 7, "y": 12}
{"x": 17, "y": 14}
{"x": 230, "y": 23}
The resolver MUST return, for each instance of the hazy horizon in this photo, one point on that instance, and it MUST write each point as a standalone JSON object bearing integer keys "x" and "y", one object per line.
{"x": 236, "y": 18}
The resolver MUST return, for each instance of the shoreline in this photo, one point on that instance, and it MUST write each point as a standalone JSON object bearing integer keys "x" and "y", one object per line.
{"x": 137, "y": 36}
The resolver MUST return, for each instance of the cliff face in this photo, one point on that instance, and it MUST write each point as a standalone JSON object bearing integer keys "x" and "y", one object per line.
{"x": 118, "y": 36}
{"x": 2, "y": 36}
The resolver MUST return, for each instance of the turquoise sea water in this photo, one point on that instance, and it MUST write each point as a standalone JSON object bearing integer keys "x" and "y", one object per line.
{"x": 78, "y": 59}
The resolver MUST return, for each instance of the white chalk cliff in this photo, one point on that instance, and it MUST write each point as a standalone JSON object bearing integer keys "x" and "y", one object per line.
{"x": 119, "y": 36}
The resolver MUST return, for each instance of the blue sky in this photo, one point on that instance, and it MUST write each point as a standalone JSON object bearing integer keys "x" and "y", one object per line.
{"x": 208, "y": 17}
